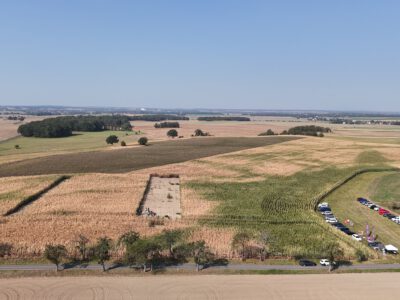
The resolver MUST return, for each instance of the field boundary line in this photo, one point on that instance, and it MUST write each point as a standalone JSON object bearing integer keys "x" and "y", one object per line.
{"x": 32, "y": 198}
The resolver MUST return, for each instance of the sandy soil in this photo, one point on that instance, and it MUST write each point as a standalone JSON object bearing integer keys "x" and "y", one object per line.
{"x": 335, "y": 286}
{"x": 8, "y": 129}
{"x": 164, "y": 197}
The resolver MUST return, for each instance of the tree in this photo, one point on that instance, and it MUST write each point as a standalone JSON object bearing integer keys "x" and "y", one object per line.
{"x": 199, "y": 132}
{"x": 200, "y": 253}
{"x": 126, "y": 126}
{"x": 102, "y": 251}
{"x": 268, "y": 132}
{"x": 172, "y": 133}
{"x": 112, "y": 139}
{"x": 143, "y": 141}
{"x": 17, "y": 147}
{"x": 333, "y": 252}
{"x": 361, "y": 256}
{"x": 240, "y": 241}
{"x": 169, "y": 239}
{"x": 5, "y": 249}
{"x": 142, "y": 252}
{"x": 55, "y": 254}
{"x": 264, "y": 241}
{"x": 81, "y": 246}
{"x": 128, "y": 238}
{"x": 123, "y": 144}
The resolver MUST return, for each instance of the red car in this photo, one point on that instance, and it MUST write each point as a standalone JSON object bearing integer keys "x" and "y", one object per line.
{"x": 383, "y": 211}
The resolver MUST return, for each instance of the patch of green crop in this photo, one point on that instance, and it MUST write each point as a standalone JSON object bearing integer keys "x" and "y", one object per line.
{"x": 371, "y": 157}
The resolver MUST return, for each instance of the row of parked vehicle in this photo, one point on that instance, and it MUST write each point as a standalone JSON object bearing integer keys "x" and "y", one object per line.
{"x": 383, "y": 212}
{"x": 326, "y": 211}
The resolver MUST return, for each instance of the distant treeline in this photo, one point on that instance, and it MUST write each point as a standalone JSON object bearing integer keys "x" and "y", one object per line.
{"x": 15, "y": 118}
{"x": 157, "y": 118}
{"x": 310, "y": 130}
{"x": 167, "y": 125}
{"x": 226, "y": 118}
{"x": 363, "y": 122}
{"x": 64, "y": 126}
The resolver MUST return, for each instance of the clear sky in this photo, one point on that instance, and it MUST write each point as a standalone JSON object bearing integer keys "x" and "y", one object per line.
{"x": 340, "y": 55}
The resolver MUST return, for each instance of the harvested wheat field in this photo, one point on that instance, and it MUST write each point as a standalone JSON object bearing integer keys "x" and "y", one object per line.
{"x": 96, "y": 204}
{"x": 307, "y": 287}
{"x": 15, "y": 189}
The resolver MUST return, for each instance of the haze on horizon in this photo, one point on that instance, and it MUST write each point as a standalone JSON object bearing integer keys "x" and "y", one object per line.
{"x": 338, "y": 55}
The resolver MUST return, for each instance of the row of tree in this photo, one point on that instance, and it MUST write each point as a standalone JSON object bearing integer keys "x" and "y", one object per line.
{"x": 158, "y": 118}
{"x": 169, "y": 248}
{"x": 310, "y": 130}
{"x": 64, "y": 126}
{"x": 224, "y": 118}
{"x": 141, "y": 252}
{"x": 167, "y": 125}
{"x": 16, "y": 118}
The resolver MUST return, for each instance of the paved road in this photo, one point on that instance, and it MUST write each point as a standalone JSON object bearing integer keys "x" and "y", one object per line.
{"x": 234, "y": 267}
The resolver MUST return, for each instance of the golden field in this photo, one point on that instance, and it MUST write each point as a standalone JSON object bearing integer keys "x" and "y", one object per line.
{"x": 98, "y": 205}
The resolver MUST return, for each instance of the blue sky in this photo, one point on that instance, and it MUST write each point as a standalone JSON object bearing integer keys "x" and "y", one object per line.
{"x": 340, "y": 55}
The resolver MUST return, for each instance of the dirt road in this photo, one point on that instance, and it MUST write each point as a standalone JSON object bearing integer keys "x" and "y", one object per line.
{"x": 329, "y": 286}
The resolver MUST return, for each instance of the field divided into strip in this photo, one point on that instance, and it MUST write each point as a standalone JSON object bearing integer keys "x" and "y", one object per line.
{"x": 126, "y": 160}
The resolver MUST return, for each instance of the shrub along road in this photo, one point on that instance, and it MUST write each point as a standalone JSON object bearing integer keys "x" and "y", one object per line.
{"x": 130, "y": 159}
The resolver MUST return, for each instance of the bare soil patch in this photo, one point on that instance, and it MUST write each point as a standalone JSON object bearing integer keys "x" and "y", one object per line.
{"x": 321, "y": 286}
{"x": 163, "y": 198}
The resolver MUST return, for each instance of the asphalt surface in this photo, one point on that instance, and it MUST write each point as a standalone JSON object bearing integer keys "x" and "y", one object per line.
{"x": 233, "y": 267}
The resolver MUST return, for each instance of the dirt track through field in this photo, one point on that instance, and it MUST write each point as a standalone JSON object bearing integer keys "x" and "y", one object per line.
{"x": 130, "y": 159}
{"x": 329, "y": 286}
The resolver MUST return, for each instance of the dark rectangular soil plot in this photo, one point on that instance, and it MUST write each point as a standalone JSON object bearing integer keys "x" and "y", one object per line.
{"x": 130, "y": 159}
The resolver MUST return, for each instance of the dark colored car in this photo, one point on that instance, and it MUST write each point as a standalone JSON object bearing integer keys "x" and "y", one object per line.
{"x": 376, "y": 245}
{"x": 372, "y": 206}
{"x": 338, "y": 225}
{"x": 322, "y": 209}
{"x": 389, "y": 216}
{"x": 306, "y": 263}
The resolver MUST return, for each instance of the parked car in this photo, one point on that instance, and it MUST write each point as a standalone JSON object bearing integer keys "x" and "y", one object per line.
{"x": 356, "y": 237}
{"x": 389, "y": 216}
{"x": 323, "y": 204}
{"x": 331, "y": 220}
{"x": 391, "y": 249}
{"x": 306, "y": 263}
{"x": 326, "y": 212}
{"x": 324, "y": 262}
{"x": 383, "y": 211}
{"x": 339, "y": 225}
{"x": 373, "y": 206}
{"x": 378, "y": 246}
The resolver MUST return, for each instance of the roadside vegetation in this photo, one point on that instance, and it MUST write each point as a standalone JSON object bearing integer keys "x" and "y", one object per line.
{"x": 143, "y": 253}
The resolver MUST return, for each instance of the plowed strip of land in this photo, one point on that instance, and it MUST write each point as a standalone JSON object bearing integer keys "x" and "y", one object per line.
{"x": 336, "y": 286}
{"x": 130, "y": 159}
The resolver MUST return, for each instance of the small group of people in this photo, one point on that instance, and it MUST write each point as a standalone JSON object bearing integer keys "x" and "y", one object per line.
{"x": 148, "y": 212}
